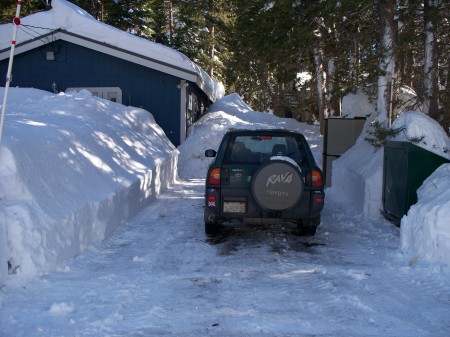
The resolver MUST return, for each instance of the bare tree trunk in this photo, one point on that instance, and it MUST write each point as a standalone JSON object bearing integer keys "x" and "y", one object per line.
{"x": 308, "y": 115}
{"x": 431, "y": 77}
{"x": 211, "y": 15}
{"x": 278, "y": 100}
{"x": 320, "y": 87}
{"x": 170, "y": 9}
{"x": 211, "y": 51}
{"x": 334, "y": 108}
{"x": 354, "y": 63}
{"x": 388, "y": 30}
{"x": 408, "y": 69}
{"x": 404, "y": 52}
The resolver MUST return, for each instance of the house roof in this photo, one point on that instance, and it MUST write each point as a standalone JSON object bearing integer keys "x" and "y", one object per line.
{"x": 66, "y": 21}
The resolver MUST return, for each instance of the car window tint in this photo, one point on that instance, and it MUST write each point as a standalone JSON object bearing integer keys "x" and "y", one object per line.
{"x": 263, "y": 146}
{"x": 303, "y": 158}
{"x": 260, "y": 148}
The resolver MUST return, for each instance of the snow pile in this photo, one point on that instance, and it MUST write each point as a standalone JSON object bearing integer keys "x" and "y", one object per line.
{"x": 407, "y": 99}
{"x": 358, "y": 105}
{"x": 357, "y": 175}
{"x": 72, "y": 168}
{"x": 429, "y": 133}
{"x": 231, "y": 112}
{"x": 357, "y": 178}
{"x": 69, "y": 17}
{"x": 425, "y": 230}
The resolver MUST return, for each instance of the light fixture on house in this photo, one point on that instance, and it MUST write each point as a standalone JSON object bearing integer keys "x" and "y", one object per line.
{"x": 50, "y": 55}
{"x": 182, "y": 84}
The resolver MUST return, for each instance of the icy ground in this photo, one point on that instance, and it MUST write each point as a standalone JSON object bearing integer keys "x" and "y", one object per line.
{"x": 159, "y": 275}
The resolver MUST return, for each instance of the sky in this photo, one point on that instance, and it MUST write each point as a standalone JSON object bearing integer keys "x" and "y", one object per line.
{"x": 113, "y": 212}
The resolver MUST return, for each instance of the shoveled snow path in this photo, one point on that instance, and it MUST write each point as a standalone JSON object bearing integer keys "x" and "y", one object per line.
{"x": 158, "y": 275}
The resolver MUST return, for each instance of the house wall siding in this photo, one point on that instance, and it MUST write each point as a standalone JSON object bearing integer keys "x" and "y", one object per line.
{"x": 77, "y": 66}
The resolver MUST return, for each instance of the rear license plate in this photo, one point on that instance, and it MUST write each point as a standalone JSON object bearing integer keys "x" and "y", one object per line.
{"x": 234, "y": 207}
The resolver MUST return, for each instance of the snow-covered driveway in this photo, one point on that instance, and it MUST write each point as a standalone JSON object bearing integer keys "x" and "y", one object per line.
{"x": 158, "y": 275}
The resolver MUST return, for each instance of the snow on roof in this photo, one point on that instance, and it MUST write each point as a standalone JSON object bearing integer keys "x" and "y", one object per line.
{"x": 70, "y": 18}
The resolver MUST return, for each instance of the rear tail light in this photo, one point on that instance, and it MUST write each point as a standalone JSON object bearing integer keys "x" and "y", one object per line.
{"x": 214, "y": 177}
{"x": 319, "y": 200}
{"x": 316, "y": 179}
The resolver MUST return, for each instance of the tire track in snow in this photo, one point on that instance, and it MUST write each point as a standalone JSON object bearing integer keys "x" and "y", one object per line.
{"x": 159, "y": 275}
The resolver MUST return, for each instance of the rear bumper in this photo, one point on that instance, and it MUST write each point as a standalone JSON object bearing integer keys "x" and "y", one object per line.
{"x": 309, "y": 206}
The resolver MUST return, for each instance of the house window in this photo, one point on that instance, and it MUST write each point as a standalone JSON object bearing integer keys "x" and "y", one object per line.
{"x": 113, "y": 94}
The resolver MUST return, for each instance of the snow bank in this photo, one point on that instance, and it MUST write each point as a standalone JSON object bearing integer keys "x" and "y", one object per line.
{"x": 425, "y": 230}
{"x": 358, "y": 174}
{"x": 356, "y": 181}
{"x": 358, "y": 105}
{"x": 417, "y": 125}
{"x": 72, "y": 168}
{"x": 231, "y": 112}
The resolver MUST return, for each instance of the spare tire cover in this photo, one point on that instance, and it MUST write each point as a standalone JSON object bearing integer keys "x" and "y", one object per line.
{"x": 277, "y": 185}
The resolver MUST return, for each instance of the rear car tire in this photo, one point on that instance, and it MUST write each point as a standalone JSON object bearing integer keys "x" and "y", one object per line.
{"x": 308, "y": 227}
{"x": 212, "y": 229}
{"x": 212, "y": 226}
{"x": 307, "y": 230}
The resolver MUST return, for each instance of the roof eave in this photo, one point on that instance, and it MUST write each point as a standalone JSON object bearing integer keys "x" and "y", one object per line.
{"x": 103, "y": 48}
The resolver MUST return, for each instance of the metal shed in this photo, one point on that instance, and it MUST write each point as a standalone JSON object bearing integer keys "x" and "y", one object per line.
{"x": 340, "y": 134}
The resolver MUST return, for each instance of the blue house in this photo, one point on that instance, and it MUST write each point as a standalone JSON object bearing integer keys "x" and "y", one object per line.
{"x": 65, "y": 49}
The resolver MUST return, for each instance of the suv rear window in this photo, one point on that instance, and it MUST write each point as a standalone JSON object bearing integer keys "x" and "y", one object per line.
{"x": 255, "y": 149}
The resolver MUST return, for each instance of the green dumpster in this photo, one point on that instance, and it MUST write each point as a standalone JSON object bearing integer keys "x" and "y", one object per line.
{"x": 405, "y": 168}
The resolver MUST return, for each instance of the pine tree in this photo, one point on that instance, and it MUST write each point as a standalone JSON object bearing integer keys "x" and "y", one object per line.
{"x": 199, "y": 32}
{"x": 8, "y": 9}
{"x": 258, "y": 48}
{"x": 163, "y": 22}
{"x": 409, "y": 51}
{"x": 266, "y": 52}
{"x": 96, "y": 8}
{"x": 133, "y": 16}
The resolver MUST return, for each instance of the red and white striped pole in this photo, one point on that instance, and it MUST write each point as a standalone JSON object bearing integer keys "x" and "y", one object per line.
{"x": 8, "y": 74}
{"x": 3, "y": 256}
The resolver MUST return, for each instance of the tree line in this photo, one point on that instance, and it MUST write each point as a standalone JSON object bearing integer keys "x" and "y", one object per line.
{"x": 299, "y": 58}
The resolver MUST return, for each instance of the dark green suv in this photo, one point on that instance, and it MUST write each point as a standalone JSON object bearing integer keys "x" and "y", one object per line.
{"x": 263, "y": 176}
